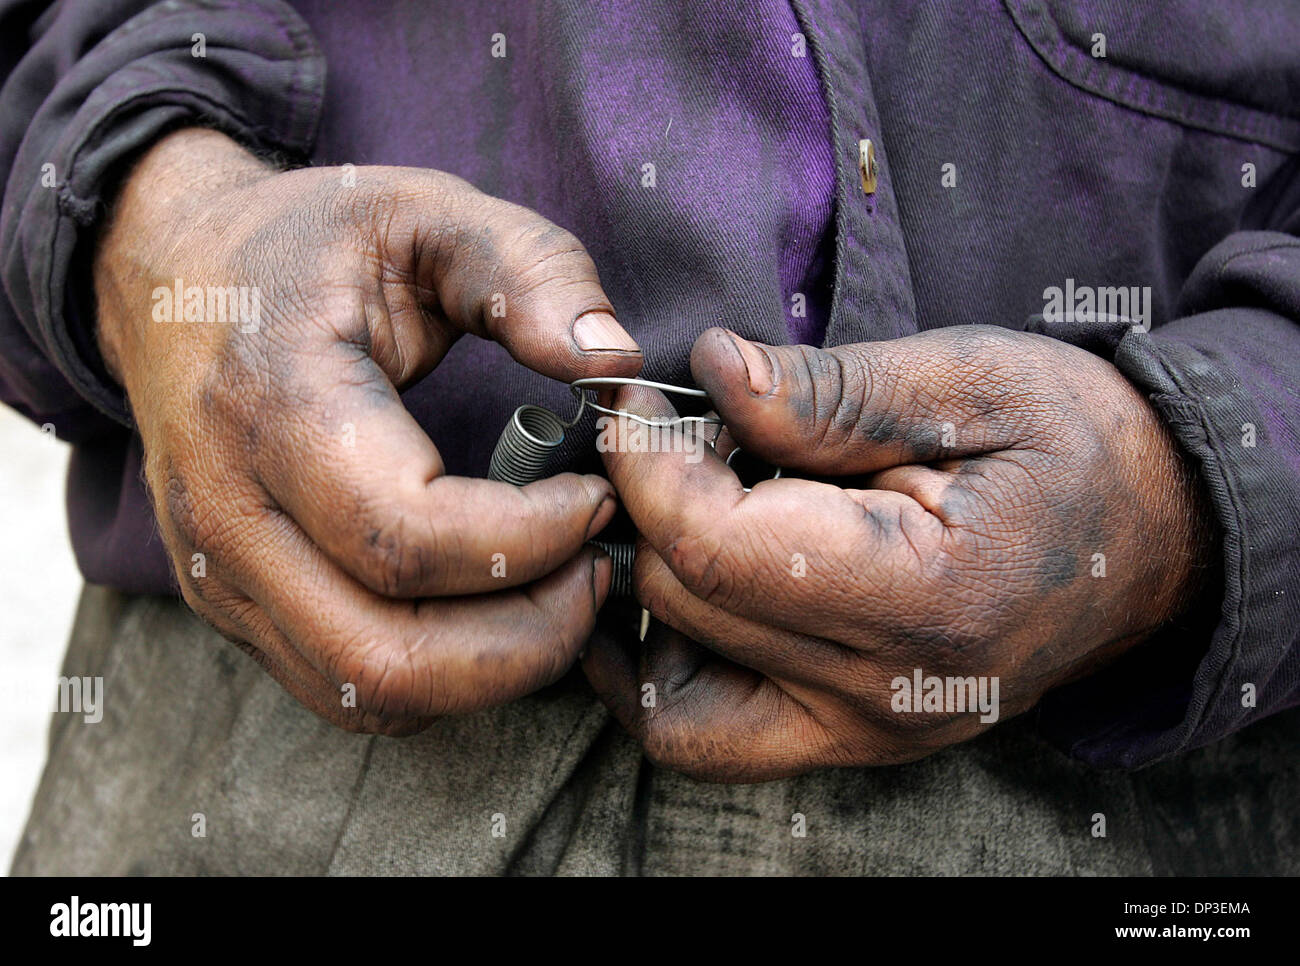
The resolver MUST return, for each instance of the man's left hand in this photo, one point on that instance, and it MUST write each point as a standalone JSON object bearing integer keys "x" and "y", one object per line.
{"x": 1003, "y": 505}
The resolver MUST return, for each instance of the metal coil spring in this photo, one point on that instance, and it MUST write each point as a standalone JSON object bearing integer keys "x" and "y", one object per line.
{"x": 534, "y": 433}
{"x": 525, "y": 446}
{"x": 624, "y": 556}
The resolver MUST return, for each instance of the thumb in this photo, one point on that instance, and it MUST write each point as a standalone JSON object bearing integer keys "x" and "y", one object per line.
{"x": 852, "y": 409}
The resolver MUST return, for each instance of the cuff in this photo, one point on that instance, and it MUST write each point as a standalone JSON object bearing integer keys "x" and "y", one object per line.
{"x": 258, "y": 75}
{"x": 1233, "y": 659}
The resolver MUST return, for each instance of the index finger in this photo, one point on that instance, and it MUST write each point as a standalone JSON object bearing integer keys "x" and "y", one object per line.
{"x": 354, "y": 469}
{"x": 798, "y": 554}
{"x": 500, "y": 271}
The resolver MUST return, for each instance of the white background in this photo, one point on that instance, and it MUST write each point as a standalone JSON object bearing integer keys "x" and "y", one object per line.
{"x": 39, "y": 585}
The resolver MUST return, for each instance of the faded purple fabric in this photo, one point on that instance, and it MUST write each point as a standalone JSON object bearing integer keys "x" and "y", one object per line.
{"x": 1012, "y": 157}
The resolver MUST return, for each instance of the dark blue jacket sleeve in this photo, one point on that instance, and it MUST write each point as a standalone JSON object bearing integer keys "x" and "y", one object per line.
{"x": 87, "y": 85}
{"x": 1225, "y": 374}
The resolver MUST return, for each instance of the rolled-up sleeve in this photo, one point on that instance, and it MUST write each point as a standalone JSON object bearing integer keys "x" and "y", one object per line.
{"x": 1225, "y": 375}
{"x": 87, "y": 85}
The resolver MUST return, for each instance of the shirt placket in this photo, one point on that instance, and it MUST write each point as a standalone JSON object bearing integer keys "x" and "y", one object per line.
{"x": 873, "y": 296}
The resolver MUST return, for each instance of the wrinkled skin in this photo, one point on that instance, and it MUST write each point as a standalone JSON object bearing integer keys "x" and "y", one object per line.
{"x": 337, "y": 551}
{"x": 962, "y": 549}
{"x": 959, "y": 484}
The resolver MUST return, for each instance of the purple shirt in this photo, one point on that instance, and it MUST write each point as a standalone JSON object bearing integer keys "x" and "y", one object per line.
{"x": 1013, "y": 156}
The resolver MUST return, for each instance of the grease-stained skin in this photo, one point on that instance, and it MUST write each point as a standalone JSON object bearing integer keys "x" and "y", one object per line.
{"x": 336, "y": 550}
{"x": 971, "y": 558}
{"x": 983, "y": 469}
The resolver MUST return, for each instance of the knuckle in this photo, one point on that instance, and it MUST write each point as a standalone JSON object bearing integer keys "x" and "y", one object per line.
{"x": 544, "y": 547}
{"x": 449, "y": 191}
{"x": 224, "y": 388}
{"x": 671, "y": 736}
{"x": 384, "y": 566}
{"x": 662, "y": 745}
{"x": 702, "y": 565}
{"x": 364, "y": 721}
{"x": 356, "y": 721}
{"x": 973, "y": 636}
{"x": 200, "y": 518}
{"x": 650, "y": 581}
{"x": 866, "y": 409}
{"x": 847, "y": 382}
{"x": 887, "y": 735}
{"x": 191, "y": 594}
{"x": 391, "y": 565}
{"x": 381, "y": 674}
{"x": 857, "y": 402}
{"x": 552, "y": 640}
{"x": 539, "y": 240}
{"x": 840, "y": 385}
{"x": 191, "y": 522}
{"x": 895, "y": 728}
{"x": 549, "y": 258}
{"x": 695, "y": 757}
{"x": 209, "y": 610}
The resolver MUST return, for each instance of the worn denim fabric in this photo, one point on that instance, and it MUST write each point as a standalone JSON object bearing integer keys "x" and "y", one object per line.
{"x": 193, "y": 726}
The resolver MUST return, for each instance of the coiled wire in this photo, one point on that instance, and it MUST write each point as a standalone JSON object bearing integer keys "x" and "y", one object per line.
{"x": 526, "y": 446}
{"x": 534, "y": 433}
{"x": 624, "y": 557}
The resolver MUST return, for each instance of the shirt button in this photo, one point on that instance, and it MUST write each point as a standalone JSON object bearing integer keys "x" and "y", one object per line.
{"x": 867, "y": 165}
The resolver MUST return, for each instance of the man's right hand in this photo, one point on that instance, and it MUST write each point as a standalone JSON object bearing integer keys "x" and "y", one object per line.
{"x": 335, "y": 548}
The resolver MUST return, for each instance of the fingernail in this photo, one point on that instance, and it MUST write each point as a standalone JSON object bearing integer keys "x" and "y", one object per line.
{"x": 600, "y": 332}
{"x": 758, "y": 365}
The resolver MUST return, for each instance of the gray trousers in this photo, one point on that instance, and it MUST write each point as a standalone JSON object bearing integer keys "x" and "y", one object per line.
{"x": 196, "y": 738}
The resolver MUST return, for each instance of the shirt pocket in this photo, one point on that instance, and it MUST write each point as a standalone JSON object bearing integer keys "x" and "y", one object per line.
{"x": 1227, "y": 68}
